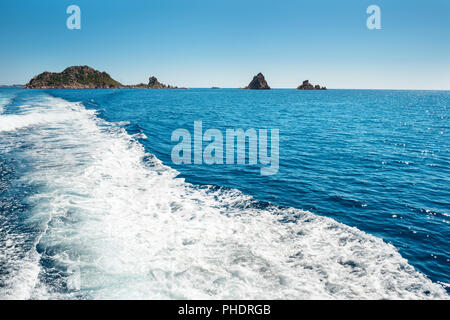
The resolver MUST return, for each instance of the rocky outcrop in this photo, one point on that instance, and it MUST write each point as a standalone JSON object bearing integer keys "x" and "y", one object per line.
{"x": 258, "y": 83}
{"x": 153, "y": 83}
{"x": 76, "y": 77}
{"x": 308, "y": 86}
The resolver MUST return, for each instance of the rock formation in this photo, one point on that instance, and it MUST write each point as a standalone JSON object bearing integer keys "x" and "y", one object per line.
{"x": 258, "y": 83}
{"x": 153, "y": 83}
{"x": 76, "y": 77}
{"x": 308, "y": 86}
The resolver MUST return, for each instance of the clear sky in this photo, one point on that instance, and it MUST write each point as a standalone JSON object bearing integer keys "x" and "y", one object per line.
{"x": 204, "y": 43}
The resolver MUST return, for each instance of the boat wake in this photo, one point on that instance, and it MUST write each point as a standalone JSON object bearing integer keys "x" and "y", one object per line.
{"x": 103, "y": 219}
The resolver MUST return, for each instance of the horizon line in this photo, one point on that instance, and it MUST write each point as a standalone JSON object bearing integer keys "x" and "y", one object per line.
{"x": 237, "y": 87}
{"x": 20, "y": 86}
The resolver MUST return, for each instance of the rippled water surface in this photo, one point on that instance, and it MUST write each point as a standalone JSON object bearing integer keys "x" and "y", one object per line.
{"x": 91, "y": 205}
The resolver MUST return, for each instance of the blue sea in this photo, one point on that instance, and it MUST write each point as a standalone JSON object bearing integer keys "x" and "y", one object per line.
{"x": 93, "y": 207}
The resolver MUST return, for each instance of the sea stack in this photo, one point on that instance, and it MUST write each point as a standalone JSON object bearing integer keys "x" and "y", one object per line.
{"x": 308, "y": 86}
{"x": 153, "y": 83}
{"x": 258, "y": 83}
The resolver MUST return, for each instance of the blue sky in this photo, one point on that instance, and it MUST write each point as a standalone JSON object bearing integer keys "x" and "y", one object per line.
{"x": 204, "y": 43}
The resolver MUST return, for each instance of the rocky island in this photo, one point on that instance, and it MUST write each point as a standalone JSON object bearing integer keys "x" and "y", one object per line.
{"x": 77, "y": 77}
{"x": 84, "y": 77}
{"x": 308, "y": 86}
{"x": 258, "y": 83}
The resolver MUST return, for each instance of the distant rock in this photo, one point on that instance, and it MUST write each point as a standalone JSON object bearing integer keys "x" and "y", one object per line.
{"x": 153, "y": 83}
{"x": 11, "y": 86}
{"x": 76, "y": 77}
{"x": 258, "y": 83}
{"x": 308, "y": 86}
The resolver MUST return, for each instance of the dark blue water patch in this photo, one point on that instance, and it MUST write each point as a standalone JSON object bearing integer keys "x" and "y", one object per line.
{"x": 373, "y": 159}
{"x": 133, "y": 128}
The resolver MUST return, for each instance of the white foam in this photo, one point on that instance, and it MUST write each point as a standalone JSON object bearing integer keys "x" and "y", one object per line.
{"x": 38, "y": 113}
{"x": 23, "y": 268}
{"x": 4, "y": 101}
{"x": 134, "y": 230}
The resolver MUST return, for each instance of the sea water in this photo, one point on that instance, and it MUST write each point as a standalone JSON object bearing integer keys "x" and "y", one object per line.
{"x": 92, "y": 206}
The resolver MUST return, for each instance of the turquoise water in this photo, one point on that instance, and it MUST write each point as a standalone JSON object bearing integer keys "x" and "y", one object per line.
{"x": 93, "y": 206}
